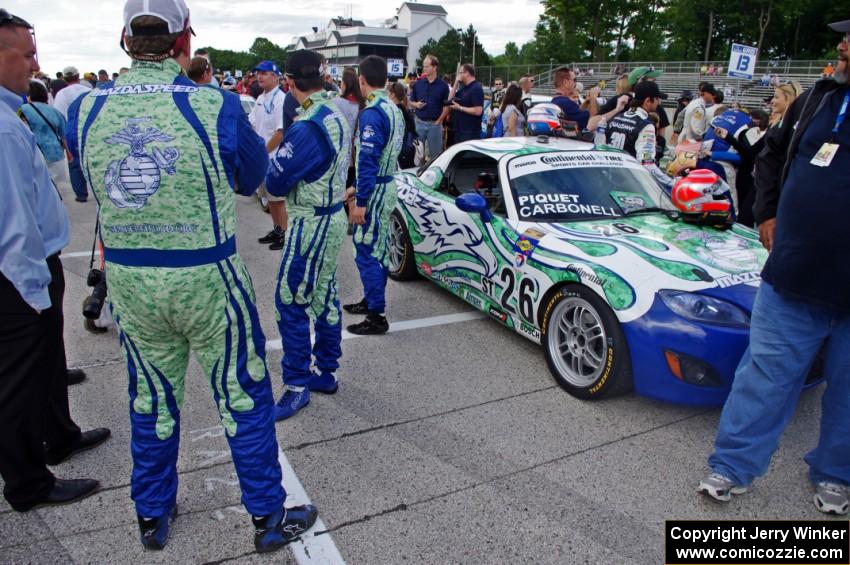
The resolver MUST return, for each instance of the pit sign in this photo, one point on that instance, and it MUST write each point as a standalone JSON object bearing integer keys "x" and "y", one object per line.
{"x": 742, "y": 61}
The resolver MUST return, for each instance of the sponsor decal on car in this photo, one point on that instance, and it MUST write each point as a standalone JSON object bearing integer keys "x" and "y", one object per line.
{"x": 498, "y": 314}
{"x": 741, "y": 278}
{"x": 530, "y": 331}
{"x": 474, "y": 300}
{"x": 426, "y": 268}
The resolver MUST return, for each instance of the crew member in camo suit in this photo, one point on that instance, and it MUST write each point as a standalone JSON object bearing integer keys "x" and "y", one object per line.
{"x": 163, "y": 156}
{"x": 310, "y": 169}
{"x": 379, "y": 140}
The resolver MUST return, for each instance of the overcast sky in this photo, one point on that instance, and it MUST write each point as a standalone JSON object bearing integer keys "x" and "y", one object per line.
{"x": 86, "y": 34}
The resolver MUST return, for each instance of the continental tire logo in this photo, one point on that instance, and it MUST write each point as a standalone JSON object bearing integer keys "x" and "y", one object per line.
{"x": 609, "y": 364}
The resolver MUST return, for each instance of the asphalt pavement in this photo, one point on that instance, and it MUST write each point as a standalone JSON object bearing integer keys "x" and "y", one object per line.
{"x": 448, "y": 442}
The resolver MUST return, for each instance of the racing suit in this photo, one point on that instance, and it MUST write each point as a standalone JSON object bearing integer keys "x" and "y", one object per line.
{"x": 378, "y": 143}
{"x": 310, "y": 168}
{"x": 163, "y": 156}
{"x": 634, "y": 133}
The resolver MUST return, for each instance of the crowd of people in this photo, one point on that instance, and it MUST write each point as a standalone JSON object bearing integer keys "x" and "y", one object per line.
{"x": 322, "y": 155}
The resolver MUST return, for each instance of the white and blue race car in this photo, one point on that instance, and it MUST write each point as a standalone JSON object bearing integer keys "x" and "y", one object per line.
{"x": 578, "y": 249}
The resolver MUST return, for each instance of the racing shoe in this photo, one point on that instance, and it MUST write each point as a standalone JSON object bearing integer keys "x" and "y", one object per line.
{"x": 278, "y": 529}
{"x": 831, "y": 498}
{"x": 155, "y": 530}
{"x": 720, "y": 487}
{"x": 374, "y": 324}
{"x": 272, "y": 236}
{"x": 294, "y": 399}
{"x": 357, "y": 307}
{"x": 325, "y": 383}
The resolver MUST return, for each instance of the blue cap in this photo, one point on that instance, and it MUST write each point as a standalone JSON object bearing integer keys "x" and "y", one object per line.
{"x": 267, "y": 66}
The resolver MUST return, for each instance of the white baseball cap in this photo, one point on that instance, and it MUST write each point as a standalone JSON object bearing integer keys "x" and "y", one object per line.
{"x": 173, "y": 13}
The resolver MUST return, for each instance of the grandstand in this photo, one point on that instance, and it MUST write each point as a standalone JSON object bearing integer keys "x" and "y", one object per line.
{"x": 686, "y": 75}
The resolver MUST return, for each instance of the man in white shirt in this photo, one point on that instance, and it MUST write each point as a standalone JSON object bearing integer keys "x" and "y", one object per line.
{"x": 75, "y": 89}
{"x": 696, "y": 114}
{"x": 267, "y": 120}
{"x": 64, "y": 99}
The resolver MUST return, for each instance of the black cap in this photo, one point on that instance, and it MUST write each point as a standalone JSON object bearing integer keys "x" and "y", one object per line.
{"x": 708, "y": 87}
{"x": 304, "y": 64}
{"x": 686, "y": 95}
{"x": 842, "y": 26}
{"x": 648, "y": 89}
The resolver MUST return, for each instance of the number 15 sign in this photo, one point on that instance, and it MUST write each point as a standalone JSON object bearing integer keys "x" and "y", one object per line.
{"x": 742, "y": 61}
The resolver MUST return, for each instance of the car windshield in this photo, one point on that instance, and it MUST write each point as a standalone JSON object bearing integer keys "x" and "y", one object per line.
{"x": 566, "y": 186}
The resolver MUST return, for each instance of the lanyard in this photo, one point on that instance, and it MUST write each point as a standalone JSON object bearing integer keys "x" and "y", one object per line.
{"x": 841, "y": 114}
{"x": 270, "y": 106}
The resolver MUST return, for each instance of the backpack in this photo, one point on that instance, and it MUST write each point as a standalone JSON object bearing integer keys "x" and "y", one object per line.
{"x": 499, "y": 128}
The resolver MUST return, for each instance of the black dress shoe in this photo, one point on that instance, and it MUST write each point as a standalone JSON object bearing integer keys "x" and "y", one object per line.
{"x": 374, "y": 324}
{"x": 80, "y": 199}
{"x": 75, "y": 376}
{"x": 357, "y": 307}
{"x": 64, "y": 491}
{"x": 87, "y": 440}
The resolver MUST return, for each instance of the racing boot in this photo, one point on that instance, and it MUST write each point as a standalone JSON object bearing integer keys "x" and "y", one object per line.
{"x": 323, "y": 382}
{"x": 294, "y": 399}
{"x": 154, "y": 531}
{"x": 278, "y": 529}
{"x": 374, "y": 324}
{"x": 357, "y": 307}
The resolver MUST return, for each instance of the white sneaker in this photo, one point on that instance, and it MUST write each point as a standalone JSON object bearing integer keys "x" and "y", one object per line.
{"x": 831, "y": 498}
{"x": 720, "y": 487}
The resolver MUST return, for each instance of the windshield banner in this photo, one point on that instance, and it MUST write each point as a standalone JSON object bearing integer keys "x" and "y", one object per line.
{"x": 542, "y": 162}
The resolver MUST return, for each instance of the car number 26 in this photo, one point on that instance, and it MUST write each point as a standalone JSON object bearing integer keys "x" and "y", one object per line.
{"x": 526, "y": 291}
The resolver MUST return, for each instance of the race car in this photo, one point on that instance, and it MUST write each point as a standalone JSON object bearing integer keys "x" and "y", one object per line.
{"x": 575, "y": 247}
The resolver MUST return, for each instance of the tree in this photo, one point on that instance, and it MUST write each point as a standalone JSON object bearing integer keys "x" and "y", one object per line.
{"x": 454, "y": 48}
{"x": 267, "y": 50}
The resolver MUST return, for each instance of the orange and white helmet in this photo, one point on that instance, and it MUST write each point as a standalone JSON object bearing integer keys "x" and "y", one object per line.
{"x": 703, "y": 198}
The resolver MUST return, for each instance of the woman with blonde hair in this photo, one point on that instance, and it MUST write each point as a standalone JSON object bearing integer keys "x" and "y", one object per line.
{"x": 783, "y": 96}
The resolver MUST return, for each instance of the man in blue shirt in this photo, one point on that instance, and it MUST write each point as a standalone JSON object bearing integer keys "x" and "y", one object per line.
{"x": 428, "y": 98}
{"x": 467, "y": 105}
{"x": 33, "y": 229}
{"x": 803, "y": 305}
{"x": 565, "y": 84}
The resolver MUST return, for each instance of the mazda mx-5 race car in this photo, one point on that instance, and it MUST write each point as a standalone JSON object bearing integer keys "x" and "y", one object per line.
{"x": 578, "y": 249}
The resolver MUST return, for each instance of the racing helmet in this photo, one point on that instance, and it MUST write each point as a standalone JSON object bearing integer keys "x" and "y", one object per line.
{"x": 702, "y": 197}
{"x": 545, "y": 119}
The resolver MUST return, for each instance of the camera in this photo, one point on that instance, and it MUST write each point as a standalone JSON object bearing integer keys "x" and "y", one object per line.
{"x": 93, "y": 304}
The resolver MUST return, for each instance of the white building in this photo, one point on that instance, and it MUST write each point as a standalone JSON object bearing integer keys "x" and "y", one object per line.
{"x": 346, "y": 41}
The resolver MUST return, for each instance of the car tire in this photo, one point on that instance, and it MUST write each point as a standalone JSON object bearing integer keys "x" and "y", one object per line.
{"x": 584, "y": 344}
{"x": 402, "y": 263}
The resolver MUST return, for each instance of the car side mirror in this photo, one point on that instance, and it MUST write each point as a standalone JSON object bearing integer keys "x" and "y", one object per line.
{"x": 474, "y": 202}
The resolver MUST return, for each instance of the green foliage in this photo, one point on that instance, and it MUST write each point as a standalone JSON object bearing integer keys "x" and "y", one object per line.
{"x": 262, "y": 49}
{"x": 623, "y": 30}
{"x": 452, "y": 46}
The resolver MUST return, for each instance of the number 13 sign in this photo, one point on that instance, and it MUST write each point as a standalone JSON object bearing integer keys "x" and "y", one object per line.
{"x": 742, "y": 61}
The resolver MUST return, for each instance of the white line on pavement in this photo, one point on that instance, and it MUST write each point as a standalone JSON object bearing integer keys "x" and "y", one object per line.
{"x": 79, "y": 254}
{"x": 276, "y": 345}
{"x": 310, "y": 548}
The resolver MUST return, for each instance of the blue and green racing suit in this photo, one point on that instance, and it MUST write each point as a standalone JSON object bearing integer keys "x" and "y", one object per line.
{"x": 163, "y": 157}
{"x": 309, "y": 169}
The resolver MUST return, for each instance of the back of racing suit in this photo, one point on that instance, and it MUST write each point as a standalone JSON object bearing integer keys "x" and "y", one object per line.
{"x": 379, "y": 144}
{"x": 634, "y": 133}
{"x": 310, "y": 168}
{"x": 163, "y": 156}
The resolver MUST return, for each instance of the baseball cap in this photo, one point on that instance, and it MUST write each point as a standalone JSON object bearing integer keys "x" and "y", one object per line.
{"x": 304, "y": 64}
{"x": 267, "y": 66}
{"x": 842, "y": 26}
{"x": 70, "y": 71}
{"x": 708, "y": 87}
{"x": 173, "y": 13}
{"x": 642, "y": 73}
{"x": 648, "y": 89}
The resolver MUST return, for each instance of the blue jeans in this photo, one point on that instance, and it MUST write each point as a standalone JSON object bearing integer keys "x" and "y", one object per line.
{"x": 431, "y": 135}
{"x": 78, "y": 181}
{"x": 785, "y": 336}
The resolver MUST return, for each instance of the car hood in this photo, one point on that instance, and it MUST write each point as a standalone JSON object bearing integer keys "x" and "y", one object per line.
{"x": 630, "y": 259}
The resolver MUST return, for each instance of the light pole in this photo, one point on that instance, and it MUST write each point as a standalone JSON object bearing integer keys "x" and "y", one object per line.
{"x": 460, "y": 46}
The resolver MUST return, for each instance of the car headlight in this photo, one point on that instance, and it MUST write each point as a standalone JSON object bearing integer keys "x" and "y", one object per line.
{"x": 702, "y": 308}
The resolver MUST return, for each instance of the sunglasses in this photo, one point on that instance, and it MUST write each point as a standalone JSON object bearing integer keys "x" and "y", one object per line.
{"x": 7, "y": 18}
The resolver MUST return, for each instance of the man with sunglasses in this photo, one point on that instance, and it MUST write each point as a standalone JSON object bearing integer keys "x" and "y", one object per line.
{"x": 164, "y": 157}
{"x": 803, "y": 306}
{"x": 35, "y": 422}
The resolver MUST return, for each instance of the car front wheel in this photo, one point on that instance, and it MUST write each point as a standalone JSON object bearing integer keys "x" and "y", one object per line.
{"x": 402, "y": 264}
{"x": 584, "y": 345}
